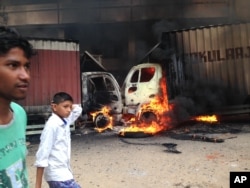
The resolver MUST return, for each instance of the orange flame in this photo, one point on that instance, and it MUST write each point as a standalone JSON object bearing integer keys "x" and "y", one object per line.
{"x": 153, "y": 128}
{"x": 158, "y": 106}
{"x": 105, "y": 111}
{"x": 211, "y": 119}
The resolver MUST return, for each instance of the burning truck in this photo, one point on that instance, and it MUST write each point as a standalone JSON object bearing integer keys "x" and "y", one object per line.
{"x": 140, "y": 104}
{"x": 203, "y": 74}
{"x": 200, "y": 69}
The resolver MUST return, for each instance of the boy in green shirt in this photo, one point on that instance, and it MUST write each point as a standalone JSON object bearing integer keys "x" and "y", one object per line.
{"x": 15, "y": 53}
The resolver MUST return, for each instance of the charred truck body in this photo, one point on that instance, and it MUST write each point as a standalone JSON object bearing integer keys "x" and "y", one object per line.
{"x": 210, "y": 65}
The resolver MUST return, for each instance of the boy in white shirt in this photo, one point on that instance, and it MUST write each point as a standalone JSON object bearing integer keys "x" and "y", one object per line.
{"x": 53, "y": 155}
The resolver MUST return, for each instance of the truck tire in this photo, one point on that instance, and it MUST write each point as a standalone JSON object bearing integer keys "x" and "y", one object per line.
{"x": 101, "y": 120}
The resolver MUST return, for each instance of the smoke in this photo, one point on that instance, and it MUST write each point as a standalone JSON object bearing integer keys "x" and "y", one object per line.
{"x": 163, "y": 26}
{"x": 142, "y": 48}
{"x": 200, "y": 97}
{"x": 183, "y": 107}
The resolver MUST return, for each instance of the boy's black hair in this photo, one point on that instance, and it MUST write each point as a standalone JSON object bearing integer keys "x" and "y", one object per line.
{"x": 10, "y": 38}
{"x": 61, "y": 97}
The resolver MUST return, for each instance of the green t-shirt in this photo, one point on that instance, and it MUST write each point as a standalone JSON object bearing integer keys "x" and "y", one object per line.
{"x": 13, "y": 171}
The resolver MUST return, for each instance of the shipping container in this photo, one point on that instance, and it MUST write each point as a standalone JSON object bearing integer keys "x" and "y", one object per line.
{"x": 55, "y": 68}
{"x": 212, "y": 54}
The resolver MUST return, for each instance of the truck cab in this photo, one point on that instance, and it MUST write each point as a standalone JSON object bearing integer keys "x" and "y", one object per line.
{"x": 101, "y": 89}
{"x": 140, "y": 86}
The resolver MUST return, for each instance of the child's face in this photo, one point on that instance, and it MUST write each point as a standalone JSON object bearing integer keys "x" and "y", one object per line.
{"x": 62, "y": 109}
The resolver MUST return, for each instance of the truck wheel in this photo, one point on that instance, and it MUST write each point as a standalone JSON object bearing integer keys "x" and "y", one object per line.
{"x": 101, "y": 120}
{"x": 148, "y": 117}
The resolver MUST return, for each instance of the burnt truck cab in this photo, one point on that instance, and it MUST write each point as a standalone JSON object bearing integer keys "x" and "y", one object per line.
{"x": 101, "y": 89}
{"x": 140, "y": 86}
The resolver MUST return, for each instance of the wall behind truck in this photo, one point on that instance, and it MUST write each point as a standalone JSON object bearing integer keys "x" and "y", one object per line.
{"x": 56, "y": 67}
{"x": 213, "y": 54}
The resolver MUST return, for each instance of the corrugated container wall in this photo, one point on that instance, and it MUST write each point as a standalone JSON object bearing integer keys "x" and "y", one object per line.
{"x": 55, "y": 68}
{"x": 215, "y": 53}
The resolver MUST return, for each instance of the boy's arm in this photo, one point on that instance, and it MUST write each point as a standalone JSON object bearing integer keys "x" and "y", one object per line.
{"x": 39, "y": 176}
{"x": 75, "y": 113}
